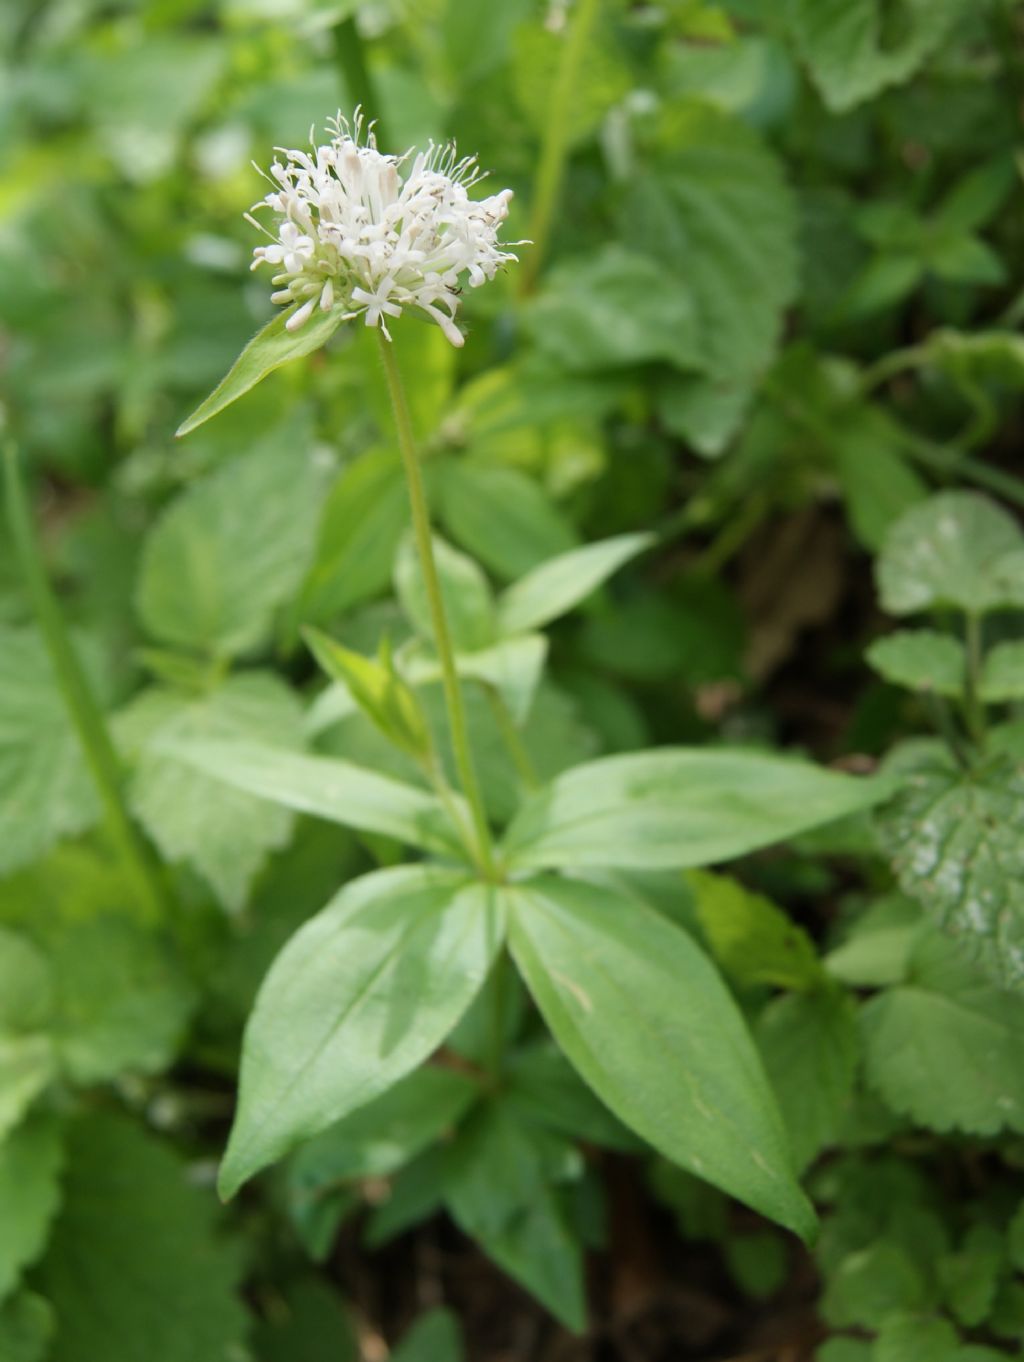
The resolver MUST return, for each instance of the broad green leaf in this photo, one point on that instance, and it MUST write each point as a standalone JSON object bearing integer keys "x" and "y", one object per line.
{"x": 855, "y": 48}
{"x": 944, "y": 1048}
{"x": 555, "y": 587}
{"x": 616, "y": 307}
{"x": 922, "y": 660}
{"x": 163, "y": 1287}
{"x": 1003, "y": 675}
{"x": 27, "y": 1058}
{"x": 914, "y": 1337}
{"x": 27, "y": 1063}
{"x": 226, "y": 835}
{"x": 810, "y": 1050}
{"x": 646, "y": 1020}
{"x": 435, "y": 1337}
{"x": 704, "y": 411}
{"x": 679, "y": 807}
{"x": 360, "y": 996}
{"x": 268, "y": 350}
{"x": 500, "y": 516}
{"x": 751, "y": 939}
{"x": 875, "y": 952}
{"x": 501, "y": 1187}
{"x": 467, "y": 597}
{"x": 26, "y": 1328}
{"x": 231, "y": 549}
{"x": 955, "y": 844}
{"x": 30, "y": 1166}
{"x": 956, "y": 549}
{"x": 361, "y": 527}
{"x": 46, "y": 791}
{"x": 120, "y": 997}
{"x": 873, "y": 1284}
{"x": 713, "y": 209}
{"x": 326, "y": 787}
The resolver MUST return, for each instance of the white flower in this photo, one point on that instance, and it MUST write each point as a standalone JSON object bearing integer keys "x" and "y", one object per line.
{"x": 373, "y": 234}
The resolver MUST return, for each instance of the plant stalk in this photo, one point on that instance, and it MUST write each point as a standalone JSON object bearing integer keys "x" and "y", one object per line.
{"x": 86, "y": 716}
{"x": 975, "y": 707}
{"x": 442, "y": 637}
{"x": 555, "y": 147}
{"x": 350, "y": 55}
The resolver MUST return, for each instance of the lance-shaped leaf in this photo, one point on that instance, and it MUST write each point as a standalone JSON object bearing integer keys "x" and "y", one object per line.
{"x": 556, "y": 586}
{"x": 360, "y": 996}
{"x": 327, "y": 787}
{"x": 679, "y": 807}
{"x": 650, "y": 1026}
{"x": 268, "y": 350}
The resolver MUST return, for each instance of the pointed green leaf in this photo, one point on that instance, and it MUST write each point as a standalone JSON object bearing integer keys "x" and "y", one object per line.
{"x": 360, "y": 996}
{"x": 561, "y": 583}
{"x": 650, "y": 1026}
{"x": 268, "y": 350}
{"x": 679, "y": 807}
{"x": 326, "y": 787}
{"x": 467, "y": 597}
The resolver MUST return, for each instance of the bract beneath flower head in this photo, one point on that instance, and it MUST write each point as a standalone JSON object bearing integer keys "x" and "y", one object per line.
{"x": 374, "y": 234}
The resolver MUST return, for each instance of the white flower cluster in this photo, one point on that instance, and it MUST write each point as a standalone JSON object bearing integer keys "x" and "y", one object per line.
{"x": 373, "y": 234}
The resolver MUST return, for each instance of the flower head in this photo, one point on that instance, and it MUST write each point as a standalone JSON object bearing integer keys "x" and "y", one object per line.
{"x": 374, "y": 234}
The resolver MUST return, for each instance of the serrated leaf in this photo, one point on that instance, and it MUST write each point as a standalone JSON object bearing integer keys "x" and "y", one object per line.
{"x": 751, "y": 939}
{"x": 224, "y": 834}
{"x": 615, "y": 307}
{"x": 970, "y": 1277}
{"x": 908, "y": 1337}
{"x": 120, "y": 996}
{"x": 1003, "y": 676}
{"x": 361, "y": 526}
{"x": 649, "y": 1025}
{"x": 163, "y": 1288}
{"x": 872, "y": 1284}
{"x": 501, "y": 1188}
{"x": 328, "y": 788}
{"x": 956, "y": 549}
{"x": 944, "y": 1048}
{"x": 955, "y": 842}
{"x": 231, "y": 549}
{"x": 713, "y": 209}
{"x": 27, "y": 1063}
{"x": 850, "y": 50}
{"x": 467, "y": 597}
{"x": 810, "y": 1049}
{"x": 360, "y": 996}
{"x": 553, "y": 588}
{"x": 30, "y": 1166}
{"x": 922, "y": 660}
{"x": 46, "y": 791}
{"x": 501, "y": 516}
{"x": 268, "y": 350}
{"x": 679, "y": 807}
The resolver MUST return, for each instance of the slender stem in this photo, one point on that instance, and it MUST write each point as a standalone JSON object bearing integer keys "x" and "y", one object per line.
{"x": 76, "y": 693}
{"x": 496, "y": 1037}
{"x": 555, "y": 148}
{"x": 442, "y": 638}
{"x": 512, "y": 738}
{"x": 350, "y": 54}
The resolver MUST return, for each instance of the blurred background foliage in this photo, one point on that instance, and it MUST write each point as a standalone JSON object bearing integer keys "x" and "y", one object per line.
{"x": 778, "y": 304}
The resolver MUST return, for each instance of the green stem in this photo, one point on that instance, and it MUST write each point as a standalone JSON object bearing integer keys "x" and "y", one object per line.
{"x": 85, "y": 714}
{"x": 512, "y": 738}
{"x": 555, "y": 148}
{"x": 496, "y": 1038}
{"x": 350, "y": 54}
{"x": 442, "y": 638}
